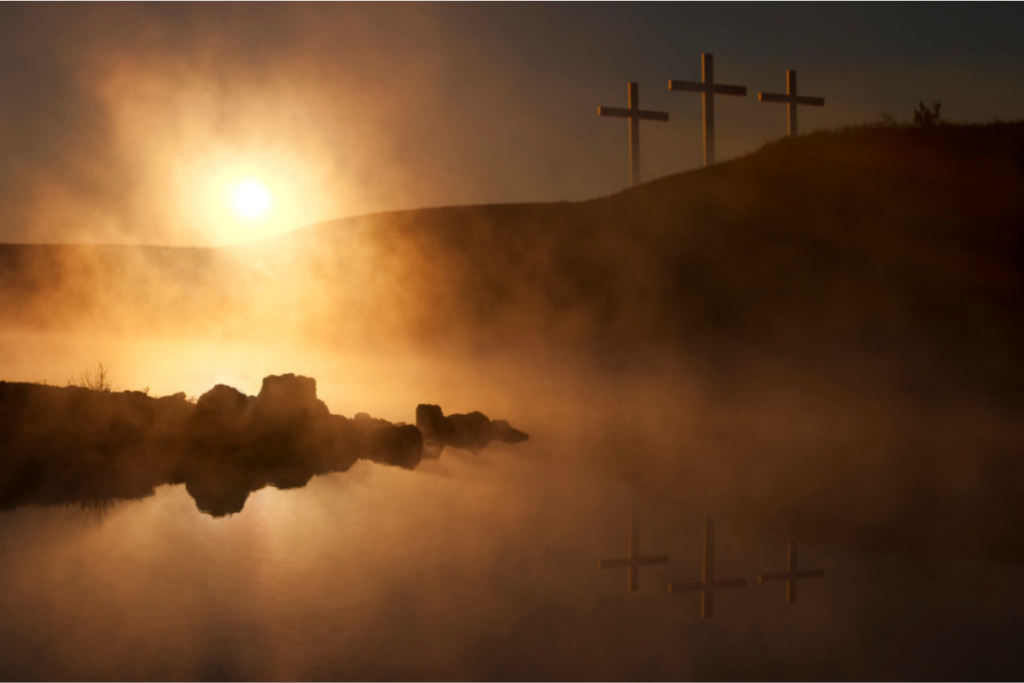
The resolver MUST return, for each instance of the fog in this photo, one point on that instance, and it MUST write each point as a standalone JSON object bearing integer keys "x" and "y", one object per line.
{"x": 485, "y": 566}
{"x": 788, "y": 367}
{"x": 128, "y": 123}
{"x": 486, "y": 570}
{"x": 816, "y": 342}
{"x": 131, "y": 127}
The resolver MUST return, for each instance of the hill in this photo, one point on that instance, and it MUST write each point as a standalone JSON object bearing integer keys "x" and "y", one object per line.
{"x": 835, "y": 242}
{"x": 865, "y": 243}
{"x": 826, "y": 334}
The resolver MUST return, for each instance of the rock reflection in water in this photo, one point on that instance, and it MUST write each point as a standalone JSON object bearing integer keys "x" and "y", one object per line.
{"x": 481, "y": 570}
{"x": 74, "y": 445}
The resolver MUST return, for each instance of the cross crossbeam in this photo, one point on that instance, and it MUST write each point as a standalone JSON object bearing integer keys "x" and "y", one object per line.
{"x": 710, "y": 584}
{"x": 635, "y": 114}
{"x": 791, "y": 99}
{"x": 792, "y": 574}
{"x": 708, "y": 88}
{"x": 635, "y": 560}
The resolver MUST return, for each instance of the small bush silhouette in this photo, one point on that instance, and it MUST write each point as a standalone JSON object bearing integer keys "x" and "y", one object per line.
{"x": 94, "y": 378}
{"x": 928, "y": 117}
{"x": 923, "y": 117}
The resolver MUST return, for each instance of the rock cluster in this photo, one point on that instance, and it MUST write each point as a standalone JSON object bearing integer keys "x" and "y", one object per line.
{"x": 67, "y": 445}
{"x": 472, "y": 431}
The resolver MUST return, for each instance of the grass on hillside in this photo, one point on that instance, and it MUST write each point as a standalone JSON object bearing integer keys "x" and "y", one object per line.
{"x": 95, "y": 377}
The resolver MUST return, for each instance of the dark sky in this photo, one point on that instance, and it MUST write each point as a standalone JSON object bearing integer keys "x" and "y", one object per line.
{"x": 131, "y": 123}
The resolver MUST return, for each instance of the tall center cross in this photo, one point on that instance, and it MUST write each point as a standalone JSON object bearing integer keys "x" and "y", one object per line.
{"x": 709, "y": 88}
{"x": 634, "y": 113}
{"x": 709, "y": 585}
{"x": 791, "y": 574}
{"x": 635, "y": 560}
{"x": 791, "y": 99}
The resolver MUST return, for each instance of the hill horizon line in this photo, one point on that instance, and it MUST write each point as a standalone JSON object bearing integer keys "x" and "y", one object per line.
{"x": 886, "y": 128}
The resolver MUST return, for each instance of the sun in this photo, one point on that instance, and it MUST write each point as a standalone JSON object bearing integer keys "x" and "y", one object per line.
{"x": 251, "y": 199}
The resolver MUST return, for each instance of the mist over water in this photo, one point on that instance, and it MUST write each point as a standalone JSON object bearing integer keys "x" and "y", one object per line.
{"x": 484, "y": 566}
{"x": 847, "y": 381}
{"x": 479, "y": 566}
{"x": 472, "y": 567}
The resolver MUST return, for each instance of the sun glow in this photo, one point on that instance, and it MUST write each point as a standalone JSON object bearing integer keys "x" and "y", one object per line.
{"x": 251, "y": 199}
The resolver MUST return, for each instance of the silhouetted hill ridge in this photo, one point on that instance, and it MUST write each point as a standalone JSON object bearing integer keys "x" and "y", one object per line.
{"x": 870, "y": 242}
{"x": 867, "y": 241}
{"x": 841, "y": 314}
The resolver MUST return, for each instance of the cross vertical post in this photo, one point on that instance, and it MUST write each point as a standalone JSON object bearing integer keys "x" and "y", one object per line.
{"x": 635, "y": 560}
{"x": 634, "y": 114}
{"x": 708, "y": 88}
{"x": 791, "y": 106}
{"x": 633, "y": 100}
{"x": 634, "y": 530}
{"x": 707, "y": 74}
{"x": 792, "y": 574}
{"x": 710, "y": 584}
{"x": 792, "y": 100}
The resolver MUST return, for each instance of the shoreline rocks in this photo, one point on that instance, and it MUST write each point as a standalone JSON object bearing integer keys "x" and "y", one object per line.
{"x": 65, "y": 445}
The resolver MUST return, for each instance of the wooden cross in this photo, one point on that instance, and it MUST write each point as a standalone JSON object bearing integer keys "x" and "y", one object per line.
{"x": 791, "y": 574}
{"x": 634, "y": 113}
{"x": 709, "y": 585}
{"x": 709, "y": 88}
{"x": 634, "y": 561}
{"x": 791, "y": 99}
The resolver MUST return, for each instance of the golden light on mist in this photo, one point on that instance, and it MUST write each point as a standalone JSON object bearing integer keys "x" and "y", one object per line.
{"x": 242, "y": 196}
{"x": 199, "y": 183}
{"x": 251, "y": 199}
{"x": 241, "y": 200}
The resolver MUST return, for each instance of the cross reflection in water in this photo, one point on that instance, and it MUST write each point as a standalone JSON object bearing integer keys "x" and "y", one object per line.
{"x": 635, "y": 560}
{"x": 709, "y": 583}
{"x": 791, "y": 574}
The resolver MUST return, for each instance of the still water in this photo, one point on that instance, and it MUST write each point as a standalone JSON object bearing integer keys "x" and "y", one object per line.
{"x": 480, "y": 567}
{"x": 477, "y": 566}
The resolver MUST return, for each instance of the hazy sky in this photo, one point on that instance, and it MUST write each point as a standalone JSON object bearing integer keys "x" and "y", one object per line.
{"x": 131, "y": 123}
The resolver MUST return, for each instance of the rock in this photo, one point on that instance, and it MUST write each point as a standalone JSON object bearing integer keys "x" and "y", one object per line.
{"x": 61, "y": 445}
{"x": 472, "y": 431}
{"x": 289, "y": 426}
{"x": 288, "y": 397}
{"x": 218, "y": 422}
{"x": 433, "y": 424}
{"x": 366, "y": 424}
{"x": 505, "y": 433}
{"x": 221, "y": 406}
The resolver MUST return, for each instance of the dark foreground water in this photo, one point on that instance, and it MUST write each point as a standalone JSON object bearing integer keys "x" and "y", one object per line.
{"x": 486, "y": 566}
{"x": 473, "y": 567}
